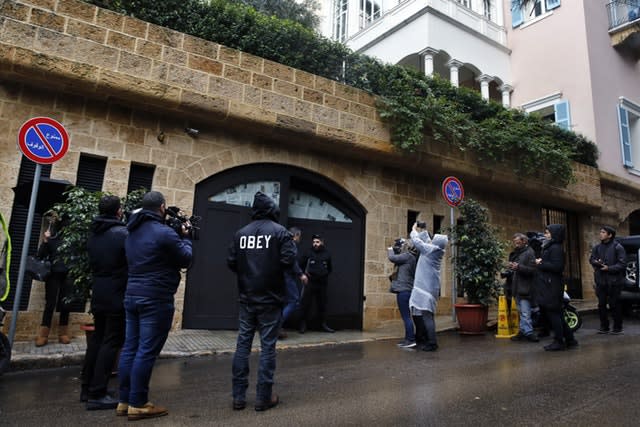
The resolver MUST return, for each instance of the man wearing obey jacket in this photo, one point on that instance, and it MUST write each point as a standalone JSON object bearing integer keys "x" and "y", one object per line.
{"x": 260, "y": 254}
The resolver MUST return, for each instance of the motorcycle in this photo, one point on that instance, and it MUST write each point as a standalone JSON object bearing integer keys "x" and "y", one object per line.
{"x": 569, "y": 311}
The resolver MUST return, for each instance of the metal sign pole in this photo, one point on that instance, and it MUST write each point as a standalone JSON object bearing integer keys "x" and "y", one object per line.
{"x": 454, "y": 291}
{"x": 25, "y": 251}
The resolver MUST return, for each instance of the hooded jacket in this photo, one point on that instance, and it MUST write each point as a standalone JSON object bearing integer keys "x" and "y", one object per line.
{"x": 260, "y": 254}
{"x": 549, "y": 286}
{"x": 155, "y": 254}
{"x": 426, "y": 286}
{"x": 406, "y": 264}
{"x": 108, "y": 263}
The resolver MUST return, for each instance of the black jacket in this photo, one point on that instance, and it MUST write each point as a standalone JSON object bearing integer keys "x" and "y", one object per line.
{"x": 317, "y": 266}
{"x": 49, "y": 250}
{"x": 260, "y": 254}
{"x": 613, "y": 255}
{"x": 108, "y": 264}
{"x": 549, "y": 286}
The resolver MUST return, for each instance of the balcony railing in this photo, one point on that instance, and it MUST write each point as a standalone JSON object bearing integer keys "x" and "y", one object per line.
{"x": 622, "y": 12}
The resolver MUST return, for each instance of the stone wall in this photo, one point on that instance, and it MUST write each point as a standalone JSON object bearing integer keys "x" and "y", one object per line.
{"x": 117, "y": 83}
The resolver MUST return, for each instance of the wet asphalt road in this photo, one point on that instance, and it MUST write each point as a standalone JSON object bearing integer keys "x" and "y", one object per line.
{"x": 479, "y": 381}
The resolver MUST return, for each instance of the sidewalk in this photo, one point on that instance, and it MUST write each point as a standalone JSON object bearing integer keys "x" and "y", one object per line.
{"x": 192, "y": 343}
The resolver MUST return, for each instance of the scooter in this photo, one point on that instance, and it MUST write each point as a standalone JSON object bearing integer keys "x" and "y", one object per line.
{"x": 570, "y": 313}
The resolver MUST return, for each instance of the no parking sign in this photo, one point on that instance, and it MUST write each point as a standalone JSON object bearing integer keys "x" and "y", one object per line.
{"x": 43, "y": 140}
{"x": 452, "y": 191}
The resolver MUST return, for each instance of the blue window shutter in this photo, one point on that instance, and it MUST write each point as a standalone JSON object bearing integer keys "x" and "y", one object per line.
{"x": 625, "y": 137}
{"x": 552, "y": 4}
{"x": 563, "y": 118}
{"x": 517, "y": 17}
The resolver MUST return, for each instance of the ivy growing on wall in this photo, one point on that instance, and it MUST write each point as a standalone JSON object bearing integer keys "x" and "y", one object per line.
{"x": 414, "y": 106}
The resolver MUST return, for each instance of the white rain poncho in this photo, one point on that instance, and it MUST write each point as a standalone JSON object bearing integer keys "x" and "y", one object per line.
{"x": 426, "y": 285}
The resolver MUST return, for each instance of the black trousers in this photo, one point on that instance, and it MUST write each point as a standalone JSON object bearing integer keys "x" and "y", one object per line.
{"x": 609, "y": 294}
{"x": 561, "y": 331}
{"x": 102, "y": 350}
{"x": 318, "y": 294}
{"x": 55, "y": 288}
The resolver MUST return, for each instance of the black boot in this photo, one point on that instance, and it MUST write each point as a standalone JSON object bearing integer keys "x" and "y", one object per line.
{"x": 326, "y": 328}
{"x": 303, "y": 327}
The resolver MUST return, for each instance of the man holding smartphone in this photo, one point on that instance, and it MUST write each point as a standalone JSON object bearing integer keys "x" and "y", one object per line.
{"x": 608, "y": 261}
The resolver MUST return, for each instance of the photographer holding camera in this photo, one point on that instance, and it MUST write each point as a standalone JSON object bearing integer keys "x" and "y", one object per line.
{"x": 155, "y": 254}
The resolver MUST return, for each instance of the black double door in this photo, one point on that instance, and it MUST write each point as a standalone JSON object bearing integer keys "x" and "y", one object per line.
{"x": 211, "y": 290}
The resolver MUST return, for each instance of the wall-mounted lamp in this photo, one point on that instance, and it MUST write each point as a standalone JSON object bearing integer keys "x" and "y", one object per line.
{"x": 192, "y": 132}
{"x": 161, "y": 137}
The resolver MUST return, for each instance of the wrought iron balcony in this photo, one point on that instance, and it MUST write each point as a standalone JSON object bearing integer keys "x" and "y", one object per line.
{"x": 624, "y": 26}
{"x": 623, "y": 12}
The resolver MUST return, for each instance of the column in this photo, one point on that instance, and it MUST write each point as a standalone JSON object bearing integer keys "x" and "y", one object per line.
{"x": 506, "y": 95}
{"x": 484, "y": 80}
{"x": 427, "y": 57}
{"x": 454, "y": 66}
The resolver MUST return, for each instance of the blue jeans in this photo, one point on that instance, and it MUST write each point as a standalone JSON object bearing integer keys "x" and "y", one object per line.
{"x": 147, "y": 327}
{"x": 293, "y": 295}
{"x": 402, "y": 299}
{"x": 266, "y": 320}
{"x": 524, "y": 309}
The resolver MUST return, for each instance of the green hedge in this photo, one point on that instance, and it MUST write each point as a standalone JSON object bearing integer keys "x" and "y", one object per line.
{"x": 412, "y": 104}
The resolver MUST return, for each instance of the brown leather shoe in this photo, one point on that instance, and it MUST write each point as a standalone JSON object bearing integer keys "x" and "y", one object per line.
{"x": 149, "y": 410}
{"x": 122, "y": 409}
{"x": 263, "y": 406}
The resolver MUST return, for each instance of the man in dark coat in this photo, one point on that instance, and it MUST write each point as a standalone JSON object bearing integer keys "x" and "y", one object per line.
{"x": 550, "y": 287}
{"x": 155, "y": 254}
{"x": 109, "y": 273}
{"x": 609, "y": 266}
{"x": 317, "y": 267}
{"x": 261, "y": 254}
{"x": 522, "y": 264}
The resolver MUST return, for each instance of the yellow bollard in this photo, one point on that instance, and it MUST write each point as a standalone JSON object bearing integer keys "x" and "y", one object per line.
{"x": 514, "y": 318}
{"x": 503, "y": 318}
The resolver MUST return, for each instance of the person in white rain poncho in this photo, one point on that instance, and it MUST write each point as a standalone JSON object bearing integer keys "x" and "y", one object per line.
{"x": 426, "y": 285}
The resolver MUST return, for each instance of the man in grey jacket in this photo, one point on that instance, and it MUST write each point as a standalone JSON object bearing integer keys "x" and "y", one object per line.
{"x": 522, "y": 264}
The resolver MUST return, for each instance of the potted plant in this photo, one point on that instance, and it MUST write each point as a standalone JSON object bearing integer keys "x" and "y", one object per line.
{"x": 477, "y": 261}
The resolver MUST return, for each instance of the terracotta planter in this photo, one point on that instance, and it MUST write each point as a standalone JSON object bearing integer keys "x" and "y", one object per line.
{"x": 472, "y": 318}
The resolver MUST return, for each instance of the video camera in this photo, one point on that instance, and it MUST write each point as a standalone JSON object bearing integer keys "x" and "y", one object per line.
{"x": 176, "y": 219}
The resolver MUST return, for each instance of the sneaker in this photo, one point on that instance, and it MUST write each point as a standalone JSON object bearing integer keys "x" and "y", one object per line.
{"x": 572, "y": 344}
{"x": 105, "y": 402}
{"x": 149, "y": 410}
{"x": 518, "y": 337}
{"x": 239, "y": 405}
{"x": 407, "y": 344}
{"x": 263, "y": 406}
{"x": 532, "y": 338}
{"x": 603, "y": 330}
{"x": 554, "y": 346}
{"x": 430, "y": 347}
{"x": 122, "y": 409}
{"x": 617, "y": 332}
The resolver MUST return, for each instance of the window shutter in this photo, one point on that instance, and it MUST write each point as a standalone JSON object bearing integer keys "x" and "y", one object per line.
{"x": 91, "y": 172}
{"x": 625, "y": 136}
{"x": 563, "y": 118}
{"x": 552, "y": 4}
{"x": 140, "y": 176}
{"x": 516, "y": 13}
